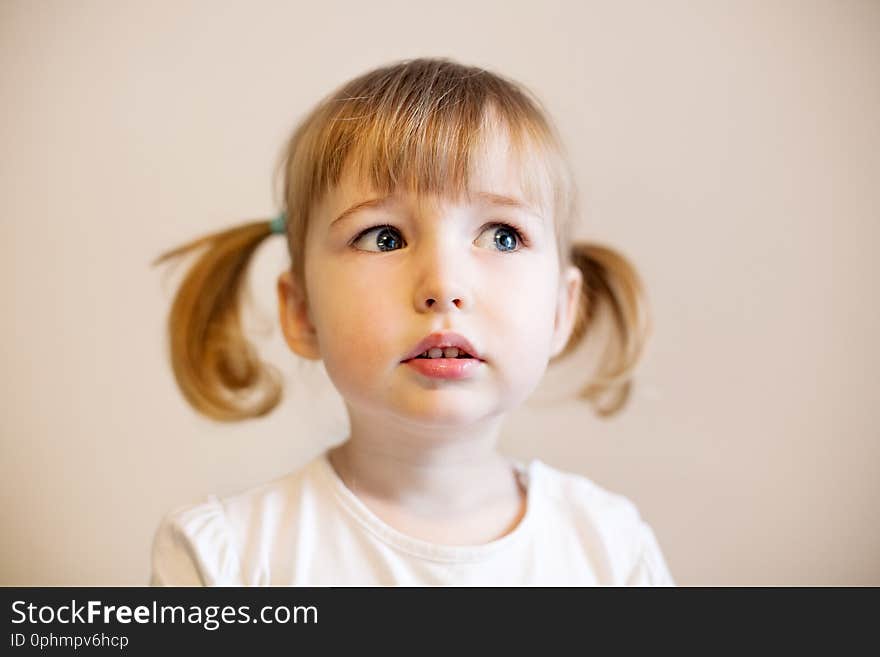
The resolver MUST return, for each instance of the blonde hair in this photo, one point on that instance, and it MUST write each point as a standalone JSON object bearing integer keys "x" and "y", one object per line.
{"x": 416, "y": 125}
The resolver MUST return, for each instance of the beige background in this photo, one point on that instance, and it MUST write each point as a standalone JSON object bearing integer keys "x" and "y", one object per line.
{"x": 730, "y": 149}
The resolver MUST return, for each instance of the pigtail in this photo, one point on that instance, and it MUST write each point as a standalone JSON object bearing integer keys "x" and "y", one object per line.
{"x": 216, "y": 367}
{"x": 609, "y": 279}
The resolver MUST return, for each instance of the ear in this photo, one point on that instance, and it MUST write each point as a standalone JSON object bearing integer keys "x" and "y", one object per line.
{"x": 296, "y": 324}
{"x": 567, "y": 303}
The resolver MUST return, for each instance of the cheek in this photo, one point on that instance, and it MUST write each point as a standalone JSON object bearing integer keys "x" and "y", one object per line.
{"x": 523, "y": 307}
{"x": 356, "y": 325}
{"x": 524, "y": 317}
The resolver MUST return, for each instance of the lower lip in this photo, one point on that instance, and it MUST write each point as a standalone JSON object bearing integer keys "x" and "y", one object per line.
{"x": 445, "y": 368}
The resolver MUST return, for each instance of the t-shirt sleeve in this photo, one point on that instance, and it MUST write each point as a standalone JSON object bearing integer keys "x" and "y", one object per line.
{"x": 193, "y": 547}
{"x": 650, "y": 567}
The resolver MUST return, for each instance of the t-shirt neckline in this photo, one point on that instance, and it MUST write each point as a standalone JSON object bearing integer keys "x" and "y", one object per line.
{"x": 428, "y": 550}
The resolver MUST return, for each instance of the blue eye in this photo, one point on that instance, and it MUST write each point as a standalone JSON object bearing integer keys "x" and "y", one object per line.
{"x": 505, "y": 236}
{"x": 385, "y": 238}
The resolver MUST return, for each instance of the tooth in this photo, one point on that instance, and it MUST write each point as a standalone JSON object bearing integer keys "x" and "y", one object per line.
{"x": 442, "y": 352}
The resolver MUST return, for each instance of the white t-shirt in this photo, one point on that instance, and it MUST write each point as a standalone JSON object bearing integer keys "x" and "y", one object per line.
{"x": 308, "y": 529}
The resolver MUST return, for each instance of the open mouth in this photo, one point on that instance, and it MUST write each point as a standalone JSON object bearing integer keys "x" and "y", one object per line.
{"x": 444, "y": 353}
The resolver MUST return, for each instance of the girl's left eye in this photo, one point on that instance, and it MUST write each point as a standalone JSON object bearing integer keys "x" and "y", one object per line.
{"x": 505, "y": 236}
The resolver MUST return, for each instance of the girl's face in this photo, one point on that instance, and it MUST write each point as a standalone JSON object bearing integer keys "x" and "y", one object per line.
{"x": 381, "y": 278}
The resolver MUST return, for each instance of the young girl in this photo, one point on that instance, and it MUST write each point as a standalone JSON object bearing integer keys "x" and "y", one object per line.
{"x": 428, "y": 211}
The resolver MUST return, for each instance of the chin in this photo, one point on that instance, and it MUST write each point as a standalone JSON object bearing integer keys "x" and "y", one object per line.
{"x": 446, "y": 414}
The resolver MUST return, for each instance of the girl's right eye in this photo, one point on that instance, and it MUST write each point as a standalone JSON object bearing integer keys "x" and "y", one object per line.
{"x": 385, "y": 238}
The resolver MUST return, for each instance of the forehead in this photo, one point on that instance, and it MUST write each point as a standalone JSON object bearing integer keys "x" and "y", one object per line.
{"x": 495, "y": 170}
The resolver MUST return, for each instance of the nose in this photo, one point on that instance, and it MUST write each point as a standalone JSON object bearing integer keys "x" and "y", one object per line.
{"x": 440, "y": 277}
{"x": 442, "y": 305}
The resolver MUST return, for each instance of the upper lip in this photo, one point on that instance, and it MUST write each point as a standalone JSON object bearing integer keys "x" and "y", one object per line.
{"x": 443, "y": 339}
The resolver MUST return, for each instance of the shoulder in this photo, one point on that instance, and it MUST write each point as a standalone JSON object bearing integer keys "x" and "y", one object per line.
{"x": 192, "y": 546}
{"x": 577, "y": 494}
{"x": 202, "y": 543}
{"x": 278, "y": 505}
{"x": 610, "y": 523}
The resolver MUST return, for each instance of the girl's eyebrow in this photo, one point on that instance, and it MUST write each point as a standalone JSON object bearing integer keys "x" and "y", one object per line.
{"x": 363, "y": 205}
{"x": 508, "y": 202}
{"x": 487, "y": 197}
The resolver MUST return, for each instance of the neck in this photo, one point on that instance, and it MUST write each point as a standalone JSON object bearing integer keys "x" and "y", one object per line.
{"x": 424, "y": 471}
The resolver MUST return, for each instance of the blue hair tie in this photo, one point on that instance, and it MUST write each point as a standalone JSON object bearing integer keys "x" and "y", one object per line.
{"x": 279, "y": 224}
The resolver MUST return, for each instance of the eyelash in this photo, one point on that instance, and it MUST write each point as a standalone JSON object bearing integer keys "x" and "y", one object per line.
{"x": 523, "y": 242}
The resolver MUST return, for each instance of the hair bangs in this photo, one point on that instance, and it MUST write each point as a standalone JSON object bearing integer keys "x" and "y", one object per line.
{"x": 426, "y": 132}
